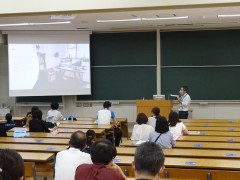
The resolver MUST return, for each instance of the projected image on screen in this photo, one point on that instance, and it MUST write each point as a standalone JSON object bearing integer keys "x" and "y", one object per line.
{"x": 49, "y": 69}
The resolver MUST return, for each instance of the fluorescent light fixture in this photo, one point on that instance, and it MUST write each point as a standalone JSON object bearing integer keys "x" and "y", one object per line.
{"x": 165, "y": 18}
{"x": 228, "y": 15}
{"x": 119, "y": 20}
{"x": 144, "y": 19}
{"x": 34, "y": 24}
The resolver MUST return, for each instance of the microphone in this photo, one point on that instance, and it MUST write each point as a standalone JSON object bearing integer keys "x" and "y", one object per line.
{"x": 172, "y": 95}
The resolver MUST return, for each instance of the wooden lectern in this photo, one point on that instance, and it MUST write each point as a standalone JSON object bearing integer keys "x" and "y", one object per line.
{"x": 145, "y": 106}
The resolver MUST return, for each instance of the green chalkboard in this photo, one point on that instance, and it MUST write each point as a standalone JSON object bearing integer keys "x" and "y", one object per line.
{"x": 198, "y": 59}
{"x": 123, "y": 66}
{"x": 39, "y": 99}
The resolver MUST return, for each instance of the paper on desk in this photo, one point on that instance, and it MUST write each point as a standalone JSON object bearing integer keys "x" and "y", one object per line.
{"x": 194, "y": 132}
{"x": 140, "y": 142}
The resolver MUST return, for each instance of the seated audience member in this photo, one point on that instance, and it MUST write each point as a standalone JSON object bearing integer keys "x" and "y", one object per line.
{"x": 105, "y": 117}
{"x": 103, "y": 167}
{"x": 11, "y": 165}
{"x": 25, "y": 121}
{"x": 34, "y": 108}
{"x": 141, "y": 130}
{"x": 91, "y": 138}
{"x": 176, "y": 127}
{"x": 68, "y": 160}
{"x": 155, "y": 114}
{"x": 37, "y": 124}
{"x": 148, "y": 161}
{"x": 4, "y": 127}
{"x": 162, "y": 135}
{"x": 53, "y": 115}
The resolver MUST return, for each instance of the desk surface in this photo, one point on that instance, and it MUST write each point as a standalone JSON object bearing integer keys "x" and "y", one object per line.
{"x": 66, "y": 130}
{"x": 189, "y": 124}
{"x": 209, "y": 139}
{"x": 36, "y": 156}
{"x": 34, "y": 147}
{"x": 199, "y": 128}
{"x": 223, "y": 164}
{"x": 208, "y": 145}
{"x": 214, "y": 133}
{"x": 192, "y": 145}
{"x": 26, "y": 140}
{"x": 194, "y": 153}
{"x": 211, "y": 120}
{"x": 44, "y": 135}
{"x": 78, "y": 126}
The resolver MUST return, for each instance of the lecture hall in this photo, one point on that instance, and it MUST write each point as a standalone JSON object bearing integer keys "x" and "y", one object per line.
{"x": 120, "y": 90}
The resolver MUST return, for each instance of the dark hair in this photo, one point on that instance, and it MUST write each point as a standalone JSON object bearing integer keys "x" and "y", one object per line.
{"x": 173, "y": 119}
{"x": 11, "y": 164}
{"x": 185, "y": 88}
{"x": 8, "y": 117}
{"x": 107, "y": 104}
{"x": 142, "y": 118}
{"x": 161, "y": 125}
{"x": 149, "y": 158}
{"x": 103, "y": 152}
{"x": 34, "y": 108}
{"x": 37, "y": 114}
{"x": 90, "y": 135}
{"x": 78, "y": 140}
{"x": 156, "y": 111}
{"x": 54, "y": 105}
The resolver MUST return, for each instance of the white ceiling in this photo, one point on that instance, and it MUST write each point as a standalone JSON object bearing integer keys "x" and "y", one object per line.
{"x": 199, "y": 18}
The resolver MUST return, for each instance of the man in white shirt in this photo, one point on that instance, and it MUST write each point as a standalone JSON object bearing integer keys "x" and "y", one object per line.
{"x": 105, "y": 117}
{"x": 68, "y": 160}
{"x": 184, "y": 102}
{"x": 54, "y": 115}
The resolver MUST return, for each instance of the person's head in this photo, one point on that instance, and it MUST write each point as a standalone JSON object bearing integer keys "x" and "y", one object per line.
{"x": 183, "y": 90}
{"x": 148, "y": 160}
{"x": 103, "y": 152}
{"x": 142, "y": 118}
{"x": 54, "y": 105}
{"x": 34, "y": 108}
{"x": 161, "y": 125}
{"x": 156, "y": 111}
{"x": 78, "y": 140}
{"x": 37, "y": 114}
{"x": 107, "y": 104}
{"x": 8, "y": 117}
{"x": 11, "y": 165}
{"x": 173, "y": 119}
{"x": 91, "y": 135}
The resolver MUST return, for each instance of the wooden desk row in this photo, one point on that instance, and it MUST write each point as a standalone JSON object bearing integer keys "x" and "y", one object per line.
{"x": 34, "y": 147}
{"x": 191, "y": 145}
{"x": 193, "y": 153}
{"x": 65, "y": 130}
{"x": 37, "y": 157}
{"x": 214, "y": 133}
{"x": 231, "y": 121}
{"x": 194, "y": 124}
{"x": 228, "y": 129}
{"x": 223, "y": 164}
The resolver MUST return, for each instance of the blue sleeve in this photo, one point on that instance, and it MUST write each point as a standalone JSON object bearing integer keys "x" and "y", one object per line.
{"x": 112, "y": 115}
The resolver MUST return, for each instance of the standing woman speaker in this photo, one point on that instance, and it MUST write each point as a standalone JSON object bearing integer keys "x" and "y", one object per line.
{"x": 184, "y": 102}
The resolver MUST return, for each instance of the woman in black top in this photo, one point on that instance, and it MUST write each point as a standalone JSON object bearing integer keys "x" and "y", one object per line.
{"x": 37, "y": 124}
